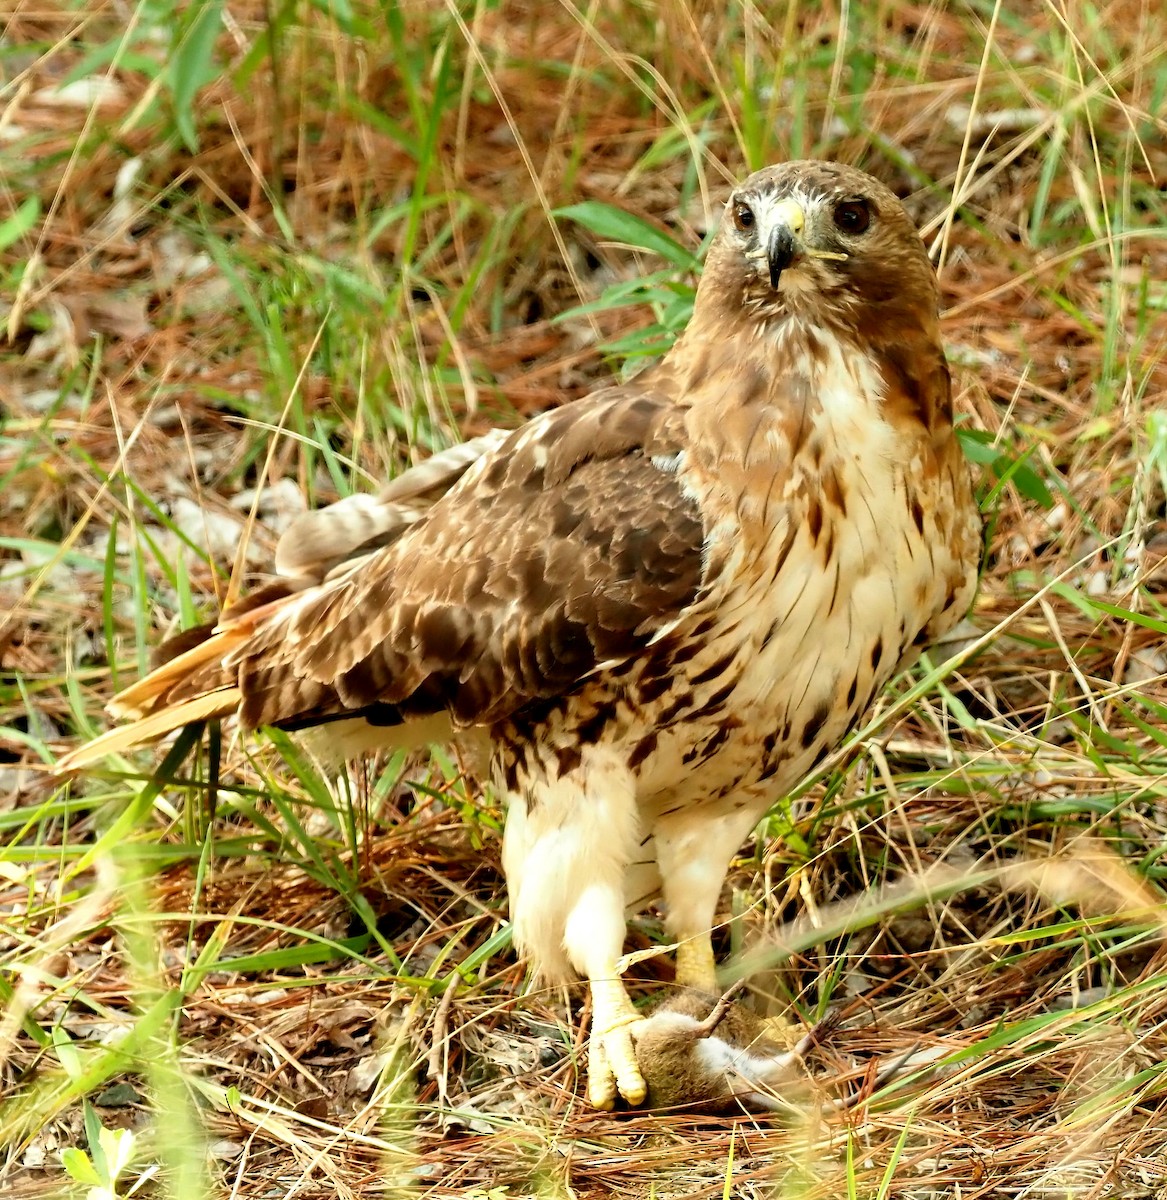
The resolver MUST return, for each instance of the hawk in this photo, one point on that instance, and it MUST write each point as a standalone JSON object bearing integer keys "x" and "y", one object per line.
{"x": 655, "y": 608}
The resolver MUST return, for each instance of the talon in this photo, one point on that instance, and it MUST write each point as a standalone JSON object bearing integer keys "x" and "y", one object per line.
{"x": 601, "y": 1079}
{"x": 613, "y": 1070}
{"x": 612, "y": 1067}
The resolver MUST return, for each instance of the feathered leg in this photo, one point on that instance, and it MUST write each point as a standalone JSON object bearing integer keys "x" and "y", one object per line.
{"x": 569, "y": 841}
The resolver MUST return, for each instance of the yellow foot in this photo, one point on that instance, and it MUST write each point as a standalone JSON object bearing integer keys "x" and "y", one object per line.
{"x": 782, "y": 1031}
{"x": 695, "y": 965}
{"x": 612, "y": 1067}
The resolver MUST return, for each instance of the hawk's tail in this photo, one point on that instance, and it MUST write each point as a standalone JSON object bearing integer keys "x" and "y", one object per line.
{"x": 140, "y": 732}
{"x": 193, "y": 685}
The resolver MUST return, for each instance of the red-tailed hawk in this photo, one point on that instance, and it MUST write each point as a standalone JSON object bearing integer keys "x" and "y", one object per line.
{"x": 658, "y": 606}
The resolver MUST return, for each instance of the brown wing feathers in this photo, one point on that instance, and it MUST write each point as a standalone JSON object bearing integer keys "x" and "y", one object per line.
{"x": 565, "y": 549}
{"x": 326, "y": 540}
{"x": 325, "y": 543}
{"x": 563, "y": 546}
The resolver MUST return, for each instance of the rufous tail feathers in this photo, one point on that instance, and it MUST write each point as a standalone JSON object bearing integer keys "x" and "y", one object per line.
{"x": 192, "y": 686}
{"x": 150, "y": 728}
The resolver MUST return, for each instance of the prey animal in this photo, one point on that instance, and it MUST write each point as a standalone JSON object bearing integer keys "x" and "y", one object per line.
{"x": 655, "y": 608}
{"x": 709, "y": 1052}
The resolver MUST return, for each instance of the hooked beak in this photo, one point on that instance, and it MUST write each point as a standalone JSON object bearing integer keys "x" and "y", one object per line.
{"x": 785, "y": 239}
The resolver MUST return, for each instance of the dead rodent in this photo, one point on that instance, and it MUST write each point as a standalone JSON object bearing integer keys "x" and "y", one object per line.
{"x": 697, "y": 1049}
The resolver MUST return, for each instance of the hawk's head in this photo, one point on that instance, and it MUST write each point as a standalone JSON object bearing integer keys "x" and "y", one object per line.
{"x": 819, "y": 240}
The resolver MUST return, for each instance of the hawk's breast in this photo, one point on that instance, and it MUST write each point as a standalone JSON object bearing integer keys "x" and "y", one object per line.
{"x": 810, "y": 616}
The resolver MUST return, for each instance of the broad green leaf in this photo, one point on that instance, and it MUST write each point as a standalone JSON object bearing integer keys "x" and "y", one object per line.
{"x": 118, "y": 1147}
{"x": 77, "y": 1165}
{"x": 20, "y": 222}
{"x": 979, "y": 448}
{"x": 190, "y": 65}
{"x": 607, "y": 221}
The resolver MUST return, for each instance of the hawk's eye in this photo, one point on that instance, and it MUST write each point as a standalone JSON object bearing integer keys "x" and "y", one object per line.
{"x": 852, "y": 216}
{"x": 743, "y": 217}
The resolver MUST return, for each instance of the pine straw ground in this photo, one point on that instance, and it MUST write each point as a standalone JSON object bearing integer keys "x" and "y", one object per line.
{"x": 287, "y": 985}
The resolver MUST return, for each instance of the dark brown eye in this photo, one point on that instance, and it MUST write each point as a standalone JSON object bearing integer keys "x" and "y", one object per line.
{"x": 743, "y": 216}
{"x": 852, "y": 216}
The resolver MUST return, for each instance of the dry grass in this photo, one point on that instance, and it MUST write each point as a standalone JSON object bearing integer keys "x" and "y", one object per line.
{"x": 287, "y": 986}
